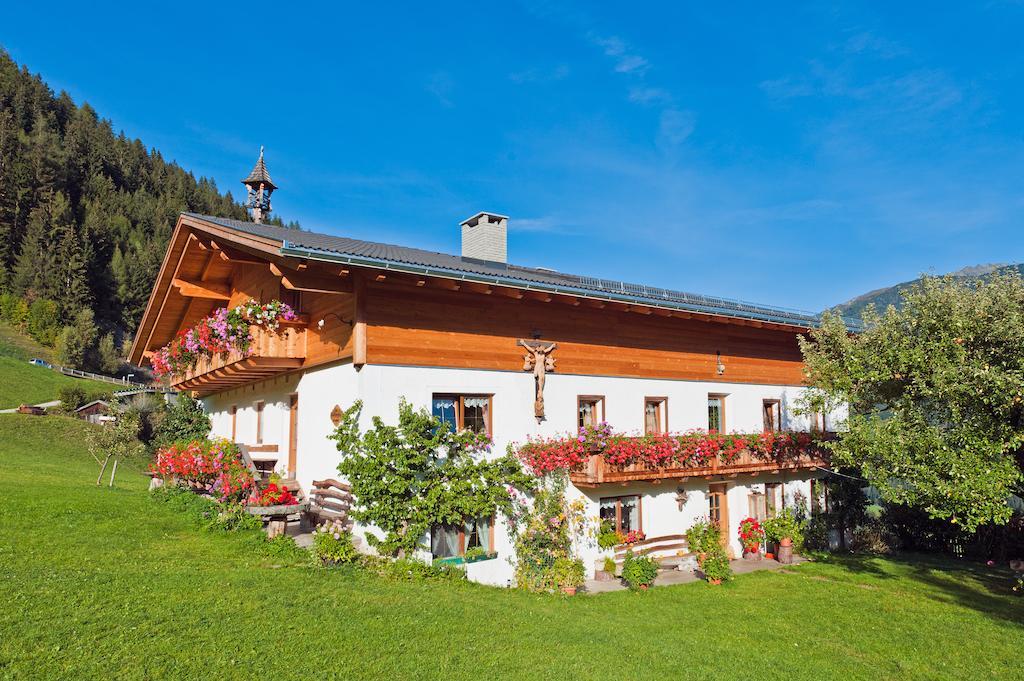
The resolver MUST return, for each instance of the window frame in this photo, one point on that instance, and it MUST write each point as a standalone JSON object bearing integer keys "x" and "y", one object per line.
{"x": 460, "y": 406}
{"x": 618, "y": 510}
{"x": 771, "y": 406}
{"x": 259, "y": 407}
{"x": 599, "y": 402}
{"x": 234, "y": 423}
{"x": 722, "y": 423}
{"x": 662, "y": 412}
{"x": 461, "y": 543}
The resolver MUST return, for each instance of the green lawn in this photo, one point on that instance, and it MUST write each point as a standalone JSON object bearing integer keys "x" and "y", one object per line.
{"x": 107, "y": 583}
{"x": 23, "y": 383}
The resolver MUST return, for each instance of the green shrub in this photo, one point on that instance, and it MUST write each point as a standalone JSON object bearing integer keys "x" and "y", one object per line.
{"x": 639, "y": 571}
{"x": 784, "y": 526}
{"x": 874, "y": 537}
{"x": 607, "y": 537}
{"x": 569, "y": 572}
{"x": 233, "y": 517}
{"x": 332, "y": 545}
{"x": 71, "y": 397}
{"x": 703, "y": 537}
{"x": 716, "y": 565}
{"x": 183, "y": 421}
{"x": 609, "y": 565}
{"x": 816, "y": 533}
{"x": 410, "y": 568}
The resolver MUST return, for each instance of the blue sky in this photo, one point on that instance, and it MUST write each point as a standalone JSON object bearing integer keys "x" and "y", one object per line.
{"x": 795, "y": 156}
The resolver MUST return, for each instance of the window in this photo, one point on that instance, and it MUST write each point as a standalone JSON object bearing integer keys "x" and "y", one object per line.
{"x": 621, "y": 513}
{"x": 716, "y": 413}
{"x": 259, "y": 423}
{"x": 292, "y": 298}
{"x": 716, "y": 507}
{"x": 655, "y": 415}
{"x": 265, "y": 467}
{"x": 234, "y": 423}
{"x": 464, "y": 412}
{"x": 454, "y": 540}
{"x": 590, "y": 410}
{"x": 772, "y": 498}
{"x": 772, "y": 410}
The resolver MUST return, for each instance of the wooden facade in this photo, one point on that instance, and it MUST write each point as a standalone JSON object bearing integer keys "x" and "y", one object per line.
{"x": 368, "y": 315}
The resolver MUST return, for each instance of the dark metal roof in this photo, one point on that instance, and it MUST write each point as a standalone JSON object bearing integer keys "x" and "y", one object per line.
{"x": 304, "y": 244}
{"x": 259, "y": 174}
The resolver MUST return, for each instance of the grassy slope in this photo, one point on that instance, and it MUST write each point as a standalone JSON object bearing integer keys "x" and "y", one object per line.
{"x": 106, "y": 583}
{"x": 22, "y": 383}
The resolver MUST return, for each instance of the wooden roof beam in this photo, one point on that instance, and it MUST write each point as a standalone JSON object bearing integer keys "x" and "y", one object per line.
{"x": 539, "y": 295}
{"x": 195, "y": 289}
{"x": 513, "y": 293}
{"x": 311, "y": 281}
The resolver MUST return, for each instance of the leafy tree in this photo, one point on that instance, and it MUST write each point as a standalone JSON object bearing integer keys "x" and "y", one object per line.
{"x": 77, "y": 343}
{"x": 183, "y": 421}
{"x": 936, "y": 396}
{"x": 108, "y": 355}
{"x": 410, "y": 477}
{"x": 43, "y": 321}
{"x": 115, "y": 441}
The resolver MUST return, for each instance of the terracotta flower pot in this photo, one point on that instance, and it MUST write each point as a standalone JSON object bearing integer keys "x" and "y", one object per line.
{"x": 769, "y": 556}
{"x": 643, "y": 587}
{"x": 569, "y": 590}
{"x": 715, "y": 582}
{"x": 787, "y": 541}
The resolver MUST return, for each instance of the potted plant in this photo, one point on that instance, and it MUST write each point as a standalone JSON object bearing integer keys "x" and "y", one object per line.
{"x": 784, "y": 529}
{"x": 569, "y": 575}
{"x": 716, "y": 567}
{"x": 751, "y": 536}
{"x": 639, "y": 572}
{"x": 702, "y": 538}
{"x": 607, "y": 571}
{"x": 607, "y": 537}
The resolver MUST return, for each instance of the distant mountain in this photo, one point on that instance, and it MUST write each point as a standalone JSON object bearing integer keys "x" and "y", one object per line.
{"x": 884, "y": 297}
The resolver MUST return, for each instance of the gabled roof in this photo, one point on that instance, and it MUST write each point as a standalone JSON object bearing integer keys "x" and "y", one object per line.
{"x": 90, "y": 404}
{"x": 325, "y": 247}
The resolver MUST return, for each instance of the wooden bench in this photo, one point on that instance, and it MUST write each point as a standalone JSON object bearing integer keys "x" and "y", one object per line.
{"x": 669, "y": 550}
{"x": 328, "y": 500}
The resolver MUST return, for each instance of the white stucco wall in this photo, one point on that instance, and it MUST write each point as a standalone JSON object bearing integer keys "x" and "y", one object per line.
{"x": 381, "y": 386}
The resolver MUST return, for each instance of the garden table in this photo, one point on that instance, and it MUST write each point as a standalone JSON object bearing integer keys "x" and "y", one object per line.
{"x": 277, "y": 516}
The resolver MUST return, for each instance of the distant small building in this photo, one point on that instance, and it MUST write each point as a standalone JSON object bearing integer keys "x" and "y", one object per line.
{"x": 97, "y": 411}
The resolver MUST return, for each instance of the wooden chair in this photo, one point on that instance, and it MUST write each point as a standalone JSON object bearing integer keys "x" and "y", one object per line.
{"x": 328, "y": 500}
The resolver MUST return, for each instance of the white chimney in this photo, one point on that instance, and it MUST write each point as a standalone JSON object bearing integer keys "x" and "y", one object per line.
{"x": 485, "y": 237}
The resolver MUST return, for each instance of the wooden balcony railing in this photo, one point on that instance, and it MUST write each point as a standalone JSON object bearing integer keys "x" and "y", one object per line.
{"x": 597, "y": 471}
{"x": 272, "y": 352}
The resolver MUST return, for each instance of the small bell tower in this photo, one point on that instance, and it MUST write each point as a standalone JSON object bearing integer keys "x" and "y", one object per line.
{"x": 259, "y": 188}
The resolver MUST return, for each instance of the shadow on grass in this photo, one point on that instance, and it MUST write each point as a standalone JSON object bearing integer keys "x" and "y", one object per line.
{"x": 986, "y": 590}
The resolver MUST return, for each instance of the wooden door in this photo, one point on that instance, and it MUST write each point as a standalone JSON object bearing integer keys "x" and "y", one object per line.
{"x": 293, "y": 433}
{"x": 718, "y": 510}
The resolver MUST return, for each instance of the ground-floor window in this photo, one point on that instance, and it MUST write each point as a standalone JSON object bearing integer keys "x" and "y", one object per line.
{"x": 464, "y": 412}
{"x": 819, "y": 496}
{"x": 621, "y": 513}
{"x": 454, "y": 540}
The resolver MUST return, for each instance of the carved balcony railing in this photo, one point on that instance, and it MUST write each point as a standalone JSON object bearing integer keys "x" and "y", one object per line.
{"x": 271, "y": 353}
{"x": 597, "y": 471}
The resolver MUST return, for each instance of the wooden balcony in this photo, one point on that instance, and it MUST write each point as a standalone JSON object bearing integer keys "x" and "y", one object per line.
{"x": 272, "y": 353}
{"x": 598, "y": 472}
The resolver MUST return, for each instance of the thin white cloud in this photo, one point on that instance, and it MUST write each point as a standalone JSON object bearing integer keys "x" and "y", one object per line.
{"x": 441, "y": 85}
{"x": 675, "y": 127}
{"x": 649, "y": 95}
{"x": 625, "y": 60}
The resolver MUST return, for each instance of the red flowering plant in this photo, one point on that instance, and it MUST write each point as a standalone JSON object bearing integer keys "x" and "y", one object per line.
{"x": 273, "y": 495}
{"x": 751, "y": 535}
{"x": 633, "y": 536}
{"x": 223, "y": 332}
{"x": 213, "y": 467}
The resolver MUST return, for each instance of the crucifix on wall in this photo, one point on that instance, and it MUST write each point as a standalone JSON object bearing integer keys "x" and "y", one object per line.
{"x": 538, "y": 359}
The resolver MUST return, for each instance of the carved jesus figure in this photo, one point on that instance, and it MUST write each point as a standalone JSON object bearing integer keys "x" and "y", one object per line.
{"x": 538, "y": 359}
